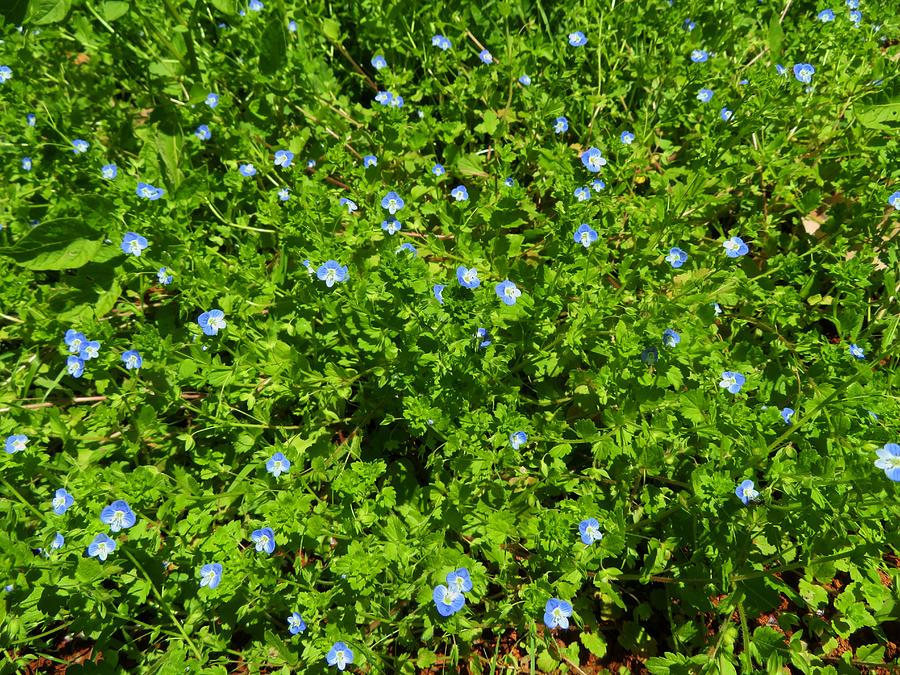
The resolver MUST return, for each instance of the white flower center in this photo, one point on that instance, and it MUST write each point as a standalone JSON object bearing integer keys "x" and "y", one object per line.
{"x": 340, "y": 659}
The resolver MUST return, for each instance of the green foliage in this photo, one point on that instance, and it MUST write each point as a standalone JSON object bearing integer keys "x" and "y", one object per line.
{"x": 395, "y": 419}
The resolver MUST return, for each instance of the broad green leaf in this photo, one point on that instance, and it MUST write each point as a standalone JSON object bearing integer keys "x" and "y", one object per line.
{"x": 331, "y": 29}
{"x": 224, "y": 6}
{"x": 56, "y": 245}
{"x": 776, "y": 35}
{"x": 48, "y": 11}
{"x": 273, "y": 48}
{"x": 114, "y": 9}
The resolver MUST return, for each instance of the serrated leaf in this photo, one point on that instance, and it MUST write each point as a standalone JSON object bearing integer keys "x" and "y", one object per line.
{"x": 595, "y": 644}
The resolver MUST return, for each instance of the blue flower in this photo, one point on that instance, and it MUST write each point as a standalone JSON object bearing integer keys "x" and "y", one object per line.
{"x": 705, "y": 95}
{"x": 593, "y": 159}
{"x": 264, "y": 539}
{"x": 716, "y": 308}
{"x": 459, "y": 193}
{"x": 468, "y": 278}
{"x": 852, "y": 4}
{"x": 439, "y": 170}
{"x": 804, "y": 72}
{"x": 438, "y": 291}
{"x": 283, "y": 158}
{"x": 278, "y": 464}
{"x": 212, "y": 100}
{"x": 699, "y": 56}
{"x": 447, "y": 601}
{"x": 732, "y": 381}
{"x": 210, "y": 575}
{"x": 857, "y": 351}
{"x": 560, "y": 125}
{"x": 441, "y": 42}
{"x": 598, "y": 184}
{"x": 5, "y": 74}
{"x": 485, "y": 56}
{"x": 725, "y": 114}
{"x": 577, "y": 39}
{"x": 391, "y": 225}
{"x": 383, "y": 97}
{"x": 109, "y": 171}
{"x": 26, "y": 164}
{"x": 247, "y": 170}
{"x": 483, "y": 337}
{"x": 212, "y": 321}
{"x": 16, "y": 443}
{"x": 392, "y": 202}
{"x": 889, "y": 461}
{"x": 396, "y": 101}
{"x": 203, "y": 133}
{"x": 688, "y": 25}
{"x": 676, "y": 257}
{"x": 406, "y": 246}
{"x": 379, "y": 62}
{"x": 132, "y": 359}
{"x": 163, "y": 277}
{"x": 101, "y": 547}
{"x": 507, "y": 292}
{"x": 75, "y": 366}
{"x": 517, "y": 439}
{"x": 582, "y": 194}
{"x": 825, "y": 16}
{"x": 459, "y": 580}
{"x": 590, "y": 531}
{"x": 284, "y": 194}
{"x": 670, "y": 338}
{"x": 340, "y": 654}
{"x": 349, "y": 203}
{"x": 524, "y": 80}
{"x": 585, "y": 235}
{"x": 745, "y": 492}
{"x": 856, "y": 16}
{"x": 786, "y": 414}
{"x": 331, "y": 272}
{"x": 295, "y": 622}
{"x": 255, "y": 6}
{"x": 58, "y": 541}
{"x": 147, "y": 191}
{"x": 133, "y": 243}
{"x": 735, "y": 247}
{"x": 30, "y": 119}
{"x": 118, "y": 515}
{"x": 74, "y": 340}
{"x": 370, "y": 160}
{"x": 557, "y": 613}
{"x": 509, "y": 181}
{"x": 79, "y": 146}
{"x": 894, "y": 200}
{"x": 90, "y": 350}
{"x": 626, "y": 137}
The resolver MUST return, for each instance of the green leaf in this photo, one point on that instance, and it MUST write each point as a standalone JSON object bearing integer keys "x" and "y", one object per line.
{"x": 331, "y": 29}
{"x": 776, "y": 36}
{"x": 273, "y": 48}
{"x": 224, "y": 6}
{"x": 886, "y": 116}
{"x": 595, "y": 644}
{"x": 58, "y": 245}
{"x": 107, "y": 299}
{"x": 169, "y": 147}
{"x": 114, "y": 9}
{"x": 48, "y": 11}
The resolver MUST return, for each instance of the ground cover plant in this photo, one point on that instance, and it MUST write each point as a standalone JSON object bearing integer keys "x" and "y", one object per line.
{"x": 395, "y": 337}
